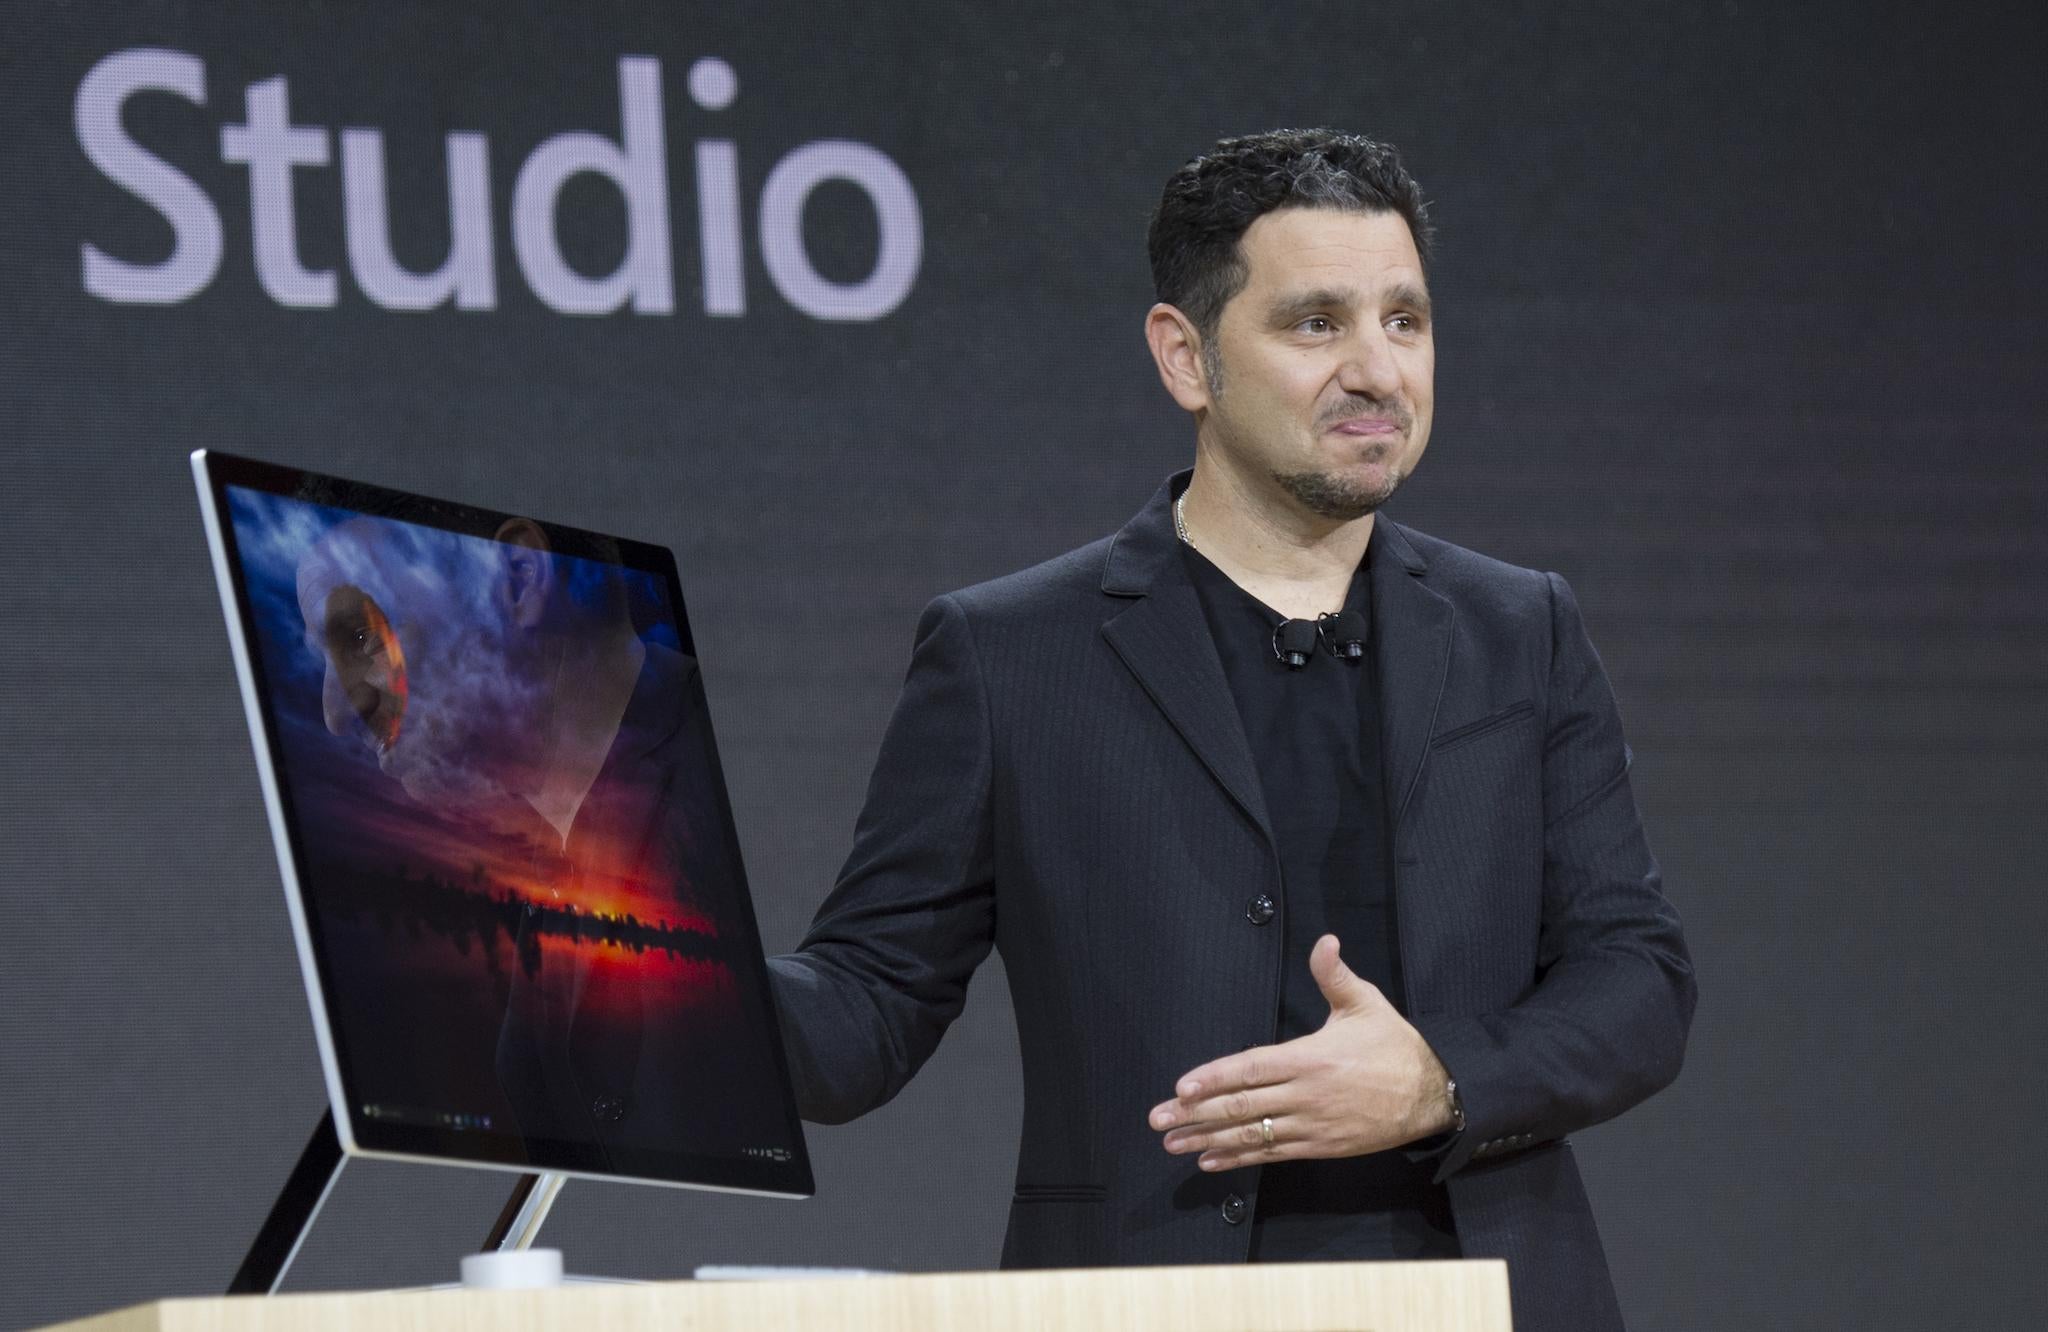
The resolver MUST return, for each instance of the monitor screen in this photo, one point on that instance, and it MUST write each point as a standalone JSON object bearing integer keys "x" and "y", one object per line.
{"x": 505, "y": 836}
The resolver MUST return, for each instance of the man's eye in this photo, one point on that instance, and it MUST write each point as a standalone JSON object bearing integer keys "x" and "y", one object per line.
{"x": 363, "y": 639}
{"x": 1315, "y": 324}
{"x": 1406, "y": 323}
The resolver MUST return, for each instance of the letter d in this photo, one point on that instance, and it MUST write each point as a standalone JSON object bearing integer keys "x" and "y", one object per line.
{"x": 638, "y": 165}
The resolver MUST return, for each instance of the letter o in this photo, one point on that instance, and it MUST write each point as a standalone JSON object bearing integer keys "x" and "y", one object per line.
{"x": 899, "y": 225}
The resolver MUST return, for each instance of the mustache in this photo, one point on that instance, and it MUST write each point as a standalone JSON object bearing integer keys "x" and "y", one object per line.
{"x": 1367, "y": 409}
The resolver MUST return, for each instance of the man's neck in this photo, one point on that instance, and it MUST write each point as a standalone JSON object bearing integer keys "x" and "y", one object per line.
{"x": 1297, "y": 562}
{"x": 594, "y": 682}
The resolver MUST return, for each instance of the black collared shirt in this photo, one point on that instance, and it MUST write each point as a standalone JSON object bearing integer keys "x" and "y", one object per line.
{"x": 1315, "y": 738}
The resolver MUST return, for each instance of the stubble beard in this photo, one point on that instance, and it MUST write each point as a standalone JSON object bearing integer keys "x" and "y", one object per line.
{"x": 1338, "y": 497}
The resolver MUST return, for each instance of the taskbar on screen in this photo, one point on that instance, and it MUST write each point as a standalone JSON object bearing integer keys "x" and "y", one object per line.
{"x": 471, "y": 1138}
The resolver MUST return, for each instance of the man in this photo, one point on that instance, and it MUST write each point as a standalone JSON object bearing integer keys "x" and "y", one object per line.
{"x": 1172, "y": 774}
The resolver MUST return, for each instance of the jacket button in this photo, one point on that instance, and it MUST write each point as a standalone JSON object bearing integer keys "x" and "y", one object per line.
{"x": 610, "y": 1109}
{"x": 1259, "y": 910}
{"x": 1233, "y": 1209}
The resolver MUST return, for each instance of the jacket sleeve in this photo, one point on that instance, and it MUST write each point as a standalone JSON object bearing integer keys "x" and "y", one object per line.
{"x": 884, "y": 968}
{"x": 1605, "y": 1023}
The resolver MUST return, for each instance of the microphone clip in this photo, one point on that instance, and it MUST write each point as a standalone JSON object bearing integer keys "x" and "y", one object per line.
{"x": 1343, "y": 635}
{"x": 1294, "y": 642}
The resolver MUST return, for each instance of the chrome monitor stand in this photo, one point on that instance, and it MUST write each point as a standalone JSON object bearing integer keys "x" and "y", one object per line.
{"x": 312, "y": 1179}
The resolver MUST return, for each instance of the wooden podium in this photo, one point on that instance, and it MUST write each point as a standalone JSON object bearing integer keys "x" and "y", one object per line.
{"x": 1464, "y": 1296}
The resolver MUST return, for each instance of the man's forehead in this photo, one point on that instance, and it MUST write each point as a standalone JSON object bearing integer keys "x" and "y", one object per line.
{"x": 410, "y": 572}
{"x": 344, "y": 544}
{"x": 355, "y": 553}
{"x": 1331, "y": 248}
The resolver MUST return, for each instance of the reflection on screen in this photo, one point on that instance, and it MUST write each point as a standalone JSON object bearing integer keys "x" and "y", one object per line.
{"x": 514, "y": 855}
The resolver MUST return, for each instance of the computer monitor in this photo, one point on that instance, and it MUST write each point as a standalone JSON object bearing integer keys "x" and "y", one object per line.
{"x": 505, "y": 837}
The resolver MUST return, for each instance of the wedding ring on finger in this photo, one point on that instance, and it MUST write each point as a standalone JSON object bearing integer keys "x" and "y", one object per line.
{"x": 1266, "y": 1130}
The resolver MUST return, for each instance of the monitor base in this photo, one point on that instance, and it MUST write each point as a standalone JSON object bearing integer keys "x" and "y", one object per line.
{"x": 312, "y": 1179}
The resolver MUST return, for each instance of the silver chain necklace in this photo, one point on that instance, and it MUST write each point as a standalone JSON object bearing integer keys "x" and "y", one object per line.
{"x": 1180, "y": 522}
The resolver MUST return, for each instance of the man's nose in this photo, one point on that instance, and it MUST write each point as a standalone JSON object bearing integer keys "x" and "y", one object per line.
{"x": 334, "y": 705}
{"x": 1369, "y": 366}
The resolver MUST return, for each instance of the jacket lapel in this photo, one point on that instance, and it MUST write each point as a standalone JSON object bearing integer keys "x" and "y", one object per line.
{"x": 1411, "y": 634}
{"x": 1163, "y": 637}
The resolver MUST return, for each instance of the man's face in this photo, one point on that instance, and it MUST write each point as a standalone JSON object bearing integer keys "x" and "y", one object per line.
{"x": 416, "y": 669}
{"x": 366, "y": 675}
{"x": 1325, "y": 360}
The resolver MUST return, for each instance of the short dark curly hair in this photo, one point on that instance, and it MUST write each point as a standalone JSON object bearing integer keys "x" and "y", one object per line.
{"x": 1197, "y": 263}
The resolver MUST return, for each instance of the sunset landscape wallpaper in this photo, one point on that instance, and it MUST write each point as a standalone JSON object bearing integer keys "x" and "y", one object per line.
{"x": 514, "y": 945}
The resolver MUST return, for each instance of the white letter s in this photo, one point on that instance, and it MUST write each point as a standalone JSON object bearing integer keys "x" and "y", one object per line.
{"x": 196, "y": 249}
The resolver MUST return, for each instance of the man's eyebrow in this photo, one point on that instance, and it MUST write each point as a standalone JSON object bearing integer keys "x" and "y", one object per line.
{"x": 1410, "y": 297}
{"x": 1288, "y": 309}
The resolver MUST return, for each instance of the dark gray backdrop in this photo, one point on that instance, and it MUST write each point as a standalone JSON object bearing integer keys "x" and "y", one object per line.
{"x": 1740, "y": 331}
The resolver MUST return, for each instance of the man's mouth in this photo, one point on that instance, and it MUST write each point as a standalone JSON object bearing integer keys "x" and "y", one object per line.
{"x": 383, "y": 729}
{"x": 1367, "y": 425}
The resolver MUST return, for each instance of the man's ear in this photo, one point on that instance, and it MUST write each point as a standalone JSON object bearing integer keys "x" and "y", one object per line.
{"x": 527, "y": 573}
{"x": 1177, "y": 351}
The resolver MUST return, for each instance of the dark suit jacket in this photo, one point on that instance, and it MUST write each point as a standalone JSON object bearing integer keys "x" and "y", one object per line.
{"x": 1066, "y": 778}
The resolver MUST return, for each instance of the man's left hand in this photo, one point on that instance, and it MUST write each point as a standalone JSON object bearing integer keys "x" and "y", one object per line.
{"x": 1365, "y": 1082}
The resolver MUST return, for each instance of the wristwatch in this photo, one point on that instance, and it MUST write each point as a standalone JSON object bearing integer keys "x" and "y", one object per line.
{"x": 1456, "y": 1103}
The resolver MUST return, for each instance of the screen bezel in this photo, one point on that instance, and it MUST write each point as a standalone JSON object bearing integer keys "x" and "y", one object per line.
{"x": 363, "y": 1136}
